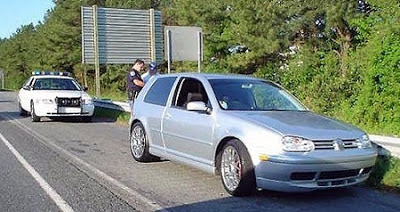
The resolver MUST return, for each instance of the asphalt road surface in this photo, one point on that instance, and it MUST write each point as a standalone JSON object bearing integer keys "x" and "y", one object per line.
{"x": 66, "y": 165}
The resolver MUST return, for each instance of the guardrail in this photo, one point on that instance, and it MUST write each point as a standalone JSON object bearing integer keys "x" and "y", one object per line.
{"x": 385, "y": 145}
{"x": 113, "y": 105}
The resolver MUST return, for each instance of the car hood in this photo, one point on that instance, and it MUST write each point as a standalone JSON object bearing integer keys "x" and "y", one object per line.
{"x": 305, "y": 124}
{"x": 60, "y": 94}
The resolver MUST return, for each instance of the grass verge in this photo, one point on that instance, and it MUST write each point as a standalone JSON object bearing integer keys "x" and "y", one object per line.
{"x": 385, "y": 175}
{"x": 121, "y": 117}
{"x": 7, "y": 90}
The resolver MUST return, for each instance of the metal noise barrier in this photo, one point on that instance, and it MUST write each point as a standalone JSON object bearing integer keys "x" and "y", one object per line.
{"x": 123, "y": 35}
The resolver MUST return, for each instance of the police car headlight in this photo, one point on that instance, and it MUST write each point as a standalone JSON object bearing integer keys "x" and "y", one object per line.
{"x": 87, "y": 101}
{"x": 296, "y": 144}
{"x": 364, "y": 142}
{"x": 44, "y": 101}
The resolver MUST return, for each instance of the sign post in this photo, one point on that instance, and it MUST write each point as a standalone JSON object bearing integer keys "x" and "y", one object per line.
{"x": 168, "y": 38}
{"x": 199, "y": 50}
{"x": 96, "y": 51}
{"x": 2, "y": 79}
{"x": 183, "y": 43}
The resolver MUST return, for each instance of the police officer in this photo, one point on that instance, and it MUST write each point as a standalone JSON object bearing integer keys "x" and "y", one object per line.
{"x": 134, "y": 83}
{"x": 152, "y": 72}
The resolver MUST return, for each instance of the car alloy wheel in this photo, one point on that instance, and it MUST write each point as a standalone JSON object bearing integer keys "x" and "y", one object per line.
{"x": 140, "y": 145}
{"x": 138, "y": 141}
{"x": 231, "y": 169}
{"x": 236, "y": 168}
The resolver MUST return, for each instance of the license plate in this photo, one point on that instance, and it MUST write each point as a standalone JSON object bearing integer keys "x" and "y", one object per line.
{"x": 69, "y": 110}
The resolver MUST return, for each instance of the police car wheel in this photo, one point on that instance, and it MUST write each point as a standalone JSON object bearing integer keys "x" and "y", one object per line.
{"x": 34, "y": 117}
{"x": 22, "y": 112}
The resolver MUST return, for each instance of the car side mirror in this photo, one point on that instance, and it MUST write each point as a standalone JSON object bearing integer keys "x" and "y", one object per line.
{"x": 85, "y": 88}
{"x": 198, "y": 106}
{"x": 26, "y": 87}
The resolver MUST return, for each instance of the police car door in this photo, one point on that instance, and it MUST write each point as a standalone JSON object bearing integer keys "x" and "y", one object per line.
{"x": 25, "y": 96}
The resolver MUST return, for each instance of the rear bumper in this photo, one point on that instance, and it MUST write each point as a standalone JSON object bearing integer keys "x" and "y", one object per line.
{"x": 300, "y": 177}
{"x": 49, "y": 110}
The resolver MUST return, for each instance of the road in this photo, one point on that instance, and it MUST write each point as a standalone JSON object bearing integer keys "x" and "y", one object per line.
{"x": 88, "y": 167}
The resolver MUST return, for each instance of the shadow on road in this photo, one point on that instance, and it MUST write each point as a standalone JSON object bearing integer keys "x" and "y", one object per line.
{"x": 341, "y": 199}
{"x": 5, "y": 101}
{"x": 4, "y": 116}
{"x": 277, "y": 201}
{"x": 76, "y": 120}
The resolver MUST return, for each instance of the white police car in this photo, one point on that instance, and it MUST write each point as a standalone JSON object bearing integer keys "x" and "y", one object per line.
{"x": 51, "y": 94}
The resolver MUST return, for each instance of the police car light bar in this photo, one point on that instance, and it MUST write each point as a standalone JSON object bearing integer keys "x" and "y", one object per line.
{"x": 55, "y": 73}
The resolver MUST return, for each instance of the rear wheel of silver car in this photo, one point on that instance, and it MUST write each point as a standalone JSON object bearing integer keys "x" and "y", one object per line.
{"x": 236, "y": 168}
{"x": 34, "y": 117}
{"x": 139, "y": 144}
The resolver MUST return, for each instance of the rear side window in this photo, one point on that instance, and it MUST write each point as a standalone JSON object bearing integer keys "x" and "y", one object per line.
{"x": 159, "y": 91}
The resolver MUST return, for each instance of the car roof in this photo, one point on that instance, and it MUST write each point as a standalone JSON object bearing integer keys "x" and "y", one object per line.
{"x": 210, "y": 76}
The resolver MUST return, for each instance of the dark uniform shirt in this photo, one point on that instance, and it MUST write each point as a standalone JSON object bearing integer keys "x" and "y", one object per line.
{"x": 132, "y": 89}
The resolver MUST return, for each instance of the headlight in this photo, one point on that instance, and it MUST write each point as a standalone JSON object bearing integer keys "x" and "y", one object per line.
{"x": 87, "y": 101}
{"x": 44, "y": 101}
{"x": 364, "y": 142}
{"x": 296, "y": 144}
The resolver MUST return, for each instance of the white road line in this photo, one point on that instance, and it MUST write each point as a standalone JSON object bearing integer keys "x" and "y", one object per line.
{"x": 45, "y": 186}
{"x": 93, "y": 170}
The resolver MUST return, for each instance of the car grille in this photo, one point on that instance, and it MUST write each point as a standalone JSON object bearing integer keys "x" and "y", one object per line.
{"x": 331, "y": 178}
{"x": 330, "y": 144}
{"x": 68, "y": 102}
{"x": 338, "y": 178}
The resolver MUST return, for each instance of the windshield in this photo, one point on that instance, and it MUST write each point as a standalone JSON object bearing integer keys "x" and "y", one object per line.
{"x": 258, "y": 95}
{"x": 56, "y": 84}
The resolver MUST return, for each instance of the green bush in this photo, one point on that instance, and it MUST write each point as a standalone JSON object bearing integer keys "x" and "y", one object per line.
{"x": 385, "y": 174}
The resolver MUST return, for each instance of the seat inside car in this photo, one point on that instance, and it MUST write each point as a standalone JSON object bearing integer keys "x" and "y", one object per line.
{"x": 191, "y": 97}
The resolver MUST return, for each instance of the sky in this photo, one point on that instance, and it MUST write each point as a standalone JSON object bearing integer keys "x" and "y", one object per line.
{"x": 15, "y": 13}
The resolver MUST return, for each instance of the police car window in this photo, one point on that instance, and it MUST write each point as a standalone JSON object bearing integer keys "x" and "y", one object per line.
{"x": 55, "y": 84}
{"x": 28, "y": 82}
{"x": 159, "y": 91}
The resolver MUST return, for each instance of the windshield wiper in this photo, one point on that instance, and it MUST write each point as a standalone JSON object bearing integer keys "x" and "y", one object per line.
{"x": 284, "y": 110}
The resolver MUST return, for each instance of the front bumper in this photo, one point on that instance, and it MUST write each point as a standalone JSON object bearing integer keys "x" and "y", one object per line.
{"x": 51, "y": 110}
{"x": 300, "y": 176}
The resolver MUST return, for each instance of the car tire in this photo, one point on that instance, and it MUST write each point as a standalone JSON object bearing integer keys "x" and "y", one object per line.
{"x": 22, "y": 112}
{"x": 86, "y": 118}
{"x": 236, "y": 169}
{"x": 34, "y": 117}
{"x": 139, "y": 144}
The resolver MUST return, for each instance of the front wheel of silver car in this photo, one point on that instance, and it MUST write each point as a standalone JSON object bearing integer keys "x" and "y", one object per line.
{"x": 236, "y": 168}
{"x": 139, "y": 144}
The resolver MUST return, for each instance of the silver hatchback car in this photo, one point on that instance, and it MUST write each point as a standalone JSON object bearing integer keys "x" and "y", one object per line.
{"x": 251, "y": 132}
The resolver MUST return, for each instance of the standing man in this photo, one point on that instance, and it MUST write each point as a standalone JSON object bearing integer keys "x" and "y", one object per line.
{"x": 150, "y": 73}
{"x": 134, "y": 83}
